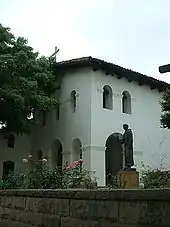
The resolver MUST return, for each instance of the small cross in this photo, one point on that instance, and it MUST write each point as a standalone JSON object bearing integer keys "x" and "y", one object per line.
{"x": 164, "y": 68}
{"x": 55, "y": 53}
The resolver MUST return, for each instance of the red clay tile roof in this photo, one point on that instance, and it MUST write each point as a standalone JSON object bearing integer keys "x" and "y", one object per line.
{"x": 113, "y": 70}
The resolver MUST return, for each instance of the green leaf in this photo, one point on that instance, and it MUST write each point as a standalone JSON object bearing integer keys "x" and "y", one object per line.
{"x": 27, "y": 83}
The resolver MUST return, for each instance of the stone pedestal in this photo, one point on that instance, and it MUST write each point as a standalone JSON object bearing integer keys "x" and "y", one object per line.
{"x": 128, "y": 179}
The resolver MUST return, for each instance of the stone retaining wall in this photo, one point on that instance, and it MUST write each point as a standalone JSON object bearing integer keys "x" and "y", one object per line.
{"x": 85, "y": 208}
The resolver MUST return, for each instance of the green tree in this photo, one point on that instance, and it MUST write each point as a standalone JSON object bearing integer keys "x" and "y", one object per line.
{"x": 165, "y": 104}
{"x": 27, "y": 83}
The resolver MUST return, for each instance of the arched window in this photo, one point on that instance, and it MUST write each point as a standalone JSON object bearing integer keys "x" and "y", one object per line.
{"x": 11, "y": 141}
{"x": 126, "y": 102}
{"x": 73, "y": 100}
{"x": 107, "y": 98}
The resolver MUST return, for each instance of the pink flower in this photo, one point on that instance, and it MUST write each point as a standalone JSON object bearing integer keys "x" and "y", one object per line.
{"x": 74, "y": 164}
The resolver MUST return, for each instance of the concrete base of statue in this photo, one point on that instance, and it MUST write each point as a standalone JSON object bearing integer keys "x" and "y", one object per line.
{"x": 128, "y": 179}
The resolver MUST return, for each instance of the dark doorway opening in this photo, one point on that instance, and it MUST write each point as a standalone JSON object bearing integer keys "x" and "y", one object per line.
{"x": 8, "y": 167}
{"x": 113, "y": 155}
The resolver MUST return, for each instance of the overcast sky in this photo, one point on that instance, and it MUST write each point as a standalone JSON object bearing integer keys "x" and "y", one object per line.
{"x": 131, "y": 33}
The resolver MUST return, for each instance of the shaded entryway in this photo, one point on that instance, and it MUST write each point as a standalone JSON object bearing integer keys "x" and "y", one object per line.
{"x": 8, "y": 167}
{"x": 56, "y": 154}
{"x": 39, "y": 154}
{"x": 76, "y": 149}
{"x": 113, "y": 154}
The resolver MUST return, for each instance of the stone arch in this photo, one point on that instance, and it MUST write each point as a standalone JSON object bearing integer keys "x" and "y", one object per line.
{"x": 56, "y": 154}
{"x": 107, "y": 97}
{"x": 126, "y": 102}
{"x": 77, "y": 149}
{"x": 113, "y": 155}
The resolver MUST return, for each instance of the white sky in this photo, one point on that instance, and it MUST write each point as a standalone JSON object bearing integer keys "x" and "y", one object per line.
{"x": 132, "y": 33}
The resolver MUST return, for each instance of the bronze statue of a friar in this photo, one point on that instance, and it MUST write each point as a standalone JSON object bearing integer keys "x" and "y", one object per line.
{"x": 128, "y": 147}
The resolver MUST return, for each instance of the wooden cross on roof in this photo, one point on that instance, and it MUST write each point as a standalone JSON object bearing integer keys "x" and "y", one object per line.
{"x": 54, "y": 55}
{"x": 164, "y": 68}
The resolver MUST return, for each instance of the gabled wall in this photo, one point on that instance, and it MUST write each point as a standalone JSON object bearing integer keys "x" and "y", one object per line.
{"x": 150, "y": 141}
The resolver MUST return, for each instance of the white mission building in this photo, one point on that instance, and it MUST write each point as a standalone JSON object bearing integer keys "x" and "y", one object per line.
{"x": 96, "y": 99}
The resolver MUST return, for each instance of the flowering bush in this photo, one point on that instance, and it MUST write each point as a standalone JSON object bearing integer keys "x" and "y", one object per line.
{"x": 14, "y": 180}
{"x": 76, "y": 178}
{"x": 38, "y": 175}
{"x": 74, "y": 164}
{"x": 151, "y": 178}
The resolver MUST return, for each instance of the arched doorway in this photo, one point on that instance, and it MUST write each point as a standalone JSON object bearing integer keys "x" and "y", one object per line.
{"x": 8, "y": 167}
{"x": 76, "y": 149}
{"x": 39, "y": 158}
{"x": 56, "y": 154}
{"x": 39, "y": 154}
{"x": 113, "y": 155}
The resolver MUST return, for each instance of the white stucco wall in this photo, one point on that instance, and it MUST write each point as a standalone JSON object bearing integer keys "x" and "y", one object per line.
{"x": 150, "y": 141}
{"x": 71, "y": 125}
{"x": 76, "y": 124}
{"x": 21, "y": 150}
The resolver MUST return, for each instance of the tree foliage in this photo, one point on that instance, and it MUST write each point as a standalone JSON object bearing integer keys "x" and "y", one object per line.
{"x": 165, "y": 104}
{"x": 27, "y": 83}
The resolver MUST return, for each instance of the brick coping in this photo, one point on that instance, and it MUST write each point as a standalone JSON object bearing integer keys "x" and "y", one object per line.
{"x": 98, "y": 194}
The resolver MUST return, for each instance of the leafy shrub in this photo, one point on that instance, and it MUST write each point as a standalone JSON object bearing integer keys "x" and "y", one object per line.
{"x": 39, "y": 176}
{"x": 150, "y": 178}
{"x": 155, "y": 178}
{"x": 14, "y": 181}
{"x": 112, "y": 181}
{"x": 76, "y": 178}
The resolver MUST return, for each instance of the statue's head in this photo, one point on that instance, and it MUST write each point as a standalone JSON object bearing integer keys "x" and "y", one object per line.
{"x": 125, "y": 127}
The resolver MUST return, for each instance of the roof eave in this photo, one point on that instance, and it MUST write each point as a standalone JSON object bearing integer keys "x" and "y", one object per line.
{"x": 112, "y": 69}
